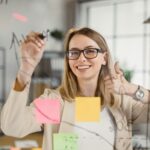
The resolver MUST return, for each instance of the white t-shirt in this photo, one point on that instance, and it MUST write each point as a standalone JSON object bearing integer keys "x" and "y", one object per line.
{"x": 92, "y": 135}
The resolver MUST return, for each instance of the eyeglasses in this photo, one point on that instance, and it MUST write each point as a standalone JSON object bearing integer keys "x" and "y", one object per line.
{"x": 88, "y": 53}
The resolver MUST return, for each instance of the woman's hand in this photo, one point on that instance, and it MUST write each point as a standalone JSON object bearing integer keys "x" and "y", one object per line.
{"x": 116, "y": 83}
{"x": 31, "y": 49}
{"x": 31, "y": 52}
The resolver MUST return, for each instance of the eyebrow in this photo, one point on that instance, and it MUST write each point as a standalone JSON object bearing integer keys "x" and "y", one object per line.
{"x": 89, "y": 46}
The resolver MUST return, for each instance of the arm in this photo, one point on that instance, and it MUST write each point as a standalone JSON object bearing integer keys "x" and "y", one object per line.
{"x": 140, "y": 109}
{"x": 17, "y": 119}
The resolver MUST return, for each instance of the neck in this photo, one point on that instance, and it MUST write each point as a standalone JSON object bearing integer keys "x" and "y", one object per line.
{"x": 87, "y": 88}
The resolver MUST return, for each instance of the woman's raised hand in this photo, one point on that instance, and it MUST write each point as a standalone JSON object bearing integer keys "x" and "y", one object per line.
{"x": 32, "y": 49}
{"x": 116, "y": 83}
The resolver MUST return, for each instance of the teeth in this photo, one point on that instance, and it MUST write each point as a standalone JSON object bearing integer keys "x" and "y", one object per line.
{"x": 83, "y": 67}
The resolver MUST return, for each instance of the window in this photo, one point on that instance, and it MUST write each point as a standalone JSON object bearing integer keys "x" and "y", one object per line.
{"x": 121, "y": 23}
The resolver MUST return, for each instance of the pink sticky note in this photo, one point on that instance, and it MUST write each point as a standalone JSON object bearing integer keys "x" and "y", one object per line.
{"x": 47, "y": 110}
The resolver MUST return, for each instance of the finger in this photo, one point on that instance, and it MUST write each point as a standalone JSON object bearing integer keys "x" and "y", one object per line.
{"x": 112, "y": 69}
{"x": 107, "y": 78}
{"x": 34, "y": 40}
{"x": 36, "y": 36}
{"x": 108, "y": 82}
{"x": 31, "y": 43}
{"x": 117, "y": 68}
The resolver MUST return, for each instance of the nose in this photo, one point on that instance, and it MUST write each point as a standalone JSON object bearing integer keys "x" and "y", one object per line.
{"x": 82, "y": 57}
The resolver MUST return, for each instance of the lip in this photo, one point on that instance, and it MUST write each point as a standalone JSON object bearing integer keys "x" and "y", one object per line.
{"x": 83, "y": 67}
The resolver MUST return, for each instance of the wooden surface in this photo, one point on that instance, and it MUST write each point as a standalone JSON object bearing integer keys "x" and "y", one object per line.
{"x": 6, "y": 140}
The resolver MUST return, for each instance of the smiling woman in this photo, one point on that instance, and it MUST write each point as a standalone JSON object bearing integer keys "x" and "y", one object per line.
{"x": 85, "y": 66}
{"x": 88, "y": 72}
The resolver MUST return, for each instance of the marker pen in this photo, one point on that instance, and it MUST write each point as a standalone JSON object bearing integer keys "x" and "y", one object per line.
{"x": 41, "y": 36}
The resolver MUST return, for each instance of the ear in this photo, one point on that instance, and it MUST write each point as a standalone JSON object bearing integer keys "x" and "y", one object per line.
{"x": 105, "y": 58}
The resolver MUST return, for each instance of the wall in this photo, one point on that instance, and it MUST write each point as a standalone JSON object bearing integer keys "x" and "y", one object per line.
{"x": 36, "y": 15}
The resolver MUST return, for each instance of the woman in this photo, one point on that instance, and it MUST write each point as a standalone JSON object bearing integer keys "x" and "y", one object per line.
{"x": 88, "y": 72}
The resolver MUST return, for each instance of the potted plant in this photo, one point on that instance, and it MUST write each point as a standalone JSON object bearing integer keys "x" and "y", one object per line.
{"x": 56, "y": 40}
{"x": 128, "y": 74}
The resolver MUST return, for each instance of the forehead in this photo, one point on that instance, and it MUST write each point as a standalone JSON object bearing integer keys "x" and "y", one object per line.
{"x": 81, "y": 41}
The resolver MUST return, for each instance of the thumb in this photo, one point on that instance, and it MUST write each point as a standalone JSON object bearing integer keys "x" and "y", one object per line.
{"x": 117, "y": 68}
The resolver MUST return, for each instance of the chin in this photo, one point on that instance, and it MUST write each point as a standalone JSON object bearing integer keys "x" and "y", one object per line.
{"x": 82, "y": 77}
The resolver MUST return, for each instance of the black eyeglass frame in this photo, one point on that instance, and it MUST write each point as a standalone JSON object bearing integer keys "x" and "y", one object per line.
{"x": 83, "y": 51}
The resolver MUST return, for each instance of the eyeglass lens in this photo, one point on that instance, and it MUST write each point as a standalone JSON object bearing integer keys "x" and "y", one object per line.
{"x": 88, "y": 53}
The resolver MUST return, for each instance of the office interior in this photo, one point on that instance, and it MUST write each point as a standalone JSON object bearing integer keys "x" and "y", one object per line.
{"x": 125, "y": 24}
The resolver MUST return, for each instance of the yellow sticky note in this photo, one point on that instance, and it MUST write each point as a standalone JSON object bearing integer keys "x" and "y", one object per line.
{"x": 36, "y": 148}
{"x": 87, "y": 109}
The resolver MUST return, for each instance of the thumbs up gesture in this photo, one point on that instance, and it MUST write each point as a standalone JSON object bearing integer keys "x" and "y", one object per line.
{"x": 116, "y": 82}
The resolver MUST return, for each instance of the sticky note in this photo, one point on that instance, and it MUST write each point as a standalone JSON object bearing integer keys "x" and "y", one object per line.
{"x": 65, "y": 141}
{"x": 87, "y": 109}
{"x": 47, "y": 110}
{"x": 36, "y": 148}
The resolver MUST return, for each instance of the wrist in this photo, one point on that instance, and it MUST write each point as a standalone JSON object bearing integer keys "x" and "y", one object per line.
{"x": 131, "y": 89}
{"x": 22, "y": 80}
{"x": 27, "y": 69}
{"x": 24, "y": 76}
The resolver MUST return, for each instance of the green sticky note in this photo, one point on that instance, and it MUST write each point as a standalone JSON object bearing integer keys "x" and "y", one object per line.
{"x": 65, "y": 141}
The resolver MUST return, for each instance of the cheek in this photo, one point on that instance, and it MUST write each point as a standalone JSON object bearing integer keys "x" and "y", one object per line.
{"x": 71, "y": 64}
{"x": 102, "y": 60}
{"x": 98, "y": 63}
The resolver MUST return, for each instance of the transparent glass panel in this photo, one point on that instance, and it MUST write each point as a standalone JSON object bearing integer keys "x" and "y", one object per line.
{"x": 101, "y": 19}
{"x": 111, "y": 46}
{"x": 147, "y": 27}
{"x": 147, "y": 65}
{"x": 148, "y": 16}
{"x": 147, "y": 80}
{"x": 129, "y": 52}
{"x": 130, "y": 18}
{"x": 1, "y": 80}
{"x": 1, "y": 58}
{"x": 147, "y": 56}
{"x": 138, "y": 78}
{"x": 148, "y": 6}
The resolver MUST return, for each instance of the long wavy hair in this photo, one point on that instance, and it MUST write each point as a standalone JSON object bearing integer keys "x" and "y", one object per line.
{"x": 69, "y": 86}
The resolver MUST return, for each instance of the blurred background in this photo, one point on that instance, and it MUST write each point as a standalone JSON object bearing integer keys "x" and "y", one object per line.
{"x": 125, "y": 24}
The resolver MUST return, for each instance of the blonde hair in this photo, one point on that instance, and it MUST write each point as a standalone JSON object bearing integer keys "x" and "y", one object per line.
{"x": 69, "y": 86}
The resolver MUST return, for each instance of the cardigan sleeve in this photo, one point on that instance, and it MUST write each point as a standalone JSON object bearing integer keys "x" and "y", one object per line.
{"x": 137, "y": 111}
{"x": 18, "y": 119}
{"x": 141, "y": 112}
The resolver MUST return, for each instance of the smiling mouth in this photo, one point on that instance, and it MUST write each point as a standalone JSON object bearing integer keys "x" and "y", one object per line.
{"x": 83, "y": 67}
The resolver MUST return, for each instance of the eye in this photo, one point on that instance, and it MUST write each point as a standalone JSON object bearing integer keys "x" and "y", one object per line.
{"x": 73, "y": 53}
{"x": 90, "y": 51}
